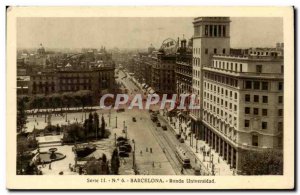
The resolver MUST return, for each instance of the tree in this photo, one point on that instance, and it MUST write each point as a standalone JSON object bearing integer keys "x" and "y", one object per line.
{"x": 267, "y": 162}
{"x": 102, "y": 130}
{"x": 67, "y": 101}
{"x": 74, "y": 132}
{"x": 96, "y": 124}
{"x": 115, "y": 162}
{"x": 21, "y": 115}
{"x": 90, "y": 123}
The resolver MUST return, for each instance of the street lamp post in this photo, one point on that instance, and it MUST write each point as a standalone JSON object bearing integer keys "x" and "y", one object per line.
{"x": 109, "y": 117}
{"x": 116, "y": 121}
{"x": 133, "y": 155}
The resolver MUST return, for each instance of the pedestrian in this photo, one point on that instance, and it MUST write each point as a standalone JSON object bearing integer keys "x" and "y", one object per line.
{"x": 153, "y": 164}
{"x": 141, "y": 152}
{"x": 181, "y": 171}
{"x": 150, "y": 150}
{"x": 195, "y": 160}
{"x": 50, "y": 166}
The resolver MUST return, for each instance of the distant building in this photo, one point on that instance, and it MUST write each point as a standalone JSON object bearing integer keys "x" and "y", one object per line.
{"x": 99, "y": 80}
{"x": 163, "y": 68}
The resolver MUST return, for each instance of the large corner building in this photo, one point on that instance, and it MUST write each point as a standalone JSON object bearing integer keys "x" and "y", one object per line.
{"x": 240, "y": 92}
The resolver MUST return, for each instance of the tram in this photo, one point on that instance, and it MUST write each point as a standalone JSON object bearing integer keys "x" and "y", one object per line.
{"x": 183, "y": 159}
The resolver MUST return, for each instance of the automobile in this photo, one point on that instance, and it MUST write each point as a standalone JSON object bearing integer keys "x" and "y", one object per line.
{"x": 197, "y": 171}
{"x": 133, "y": 119}
{"x": 123, "y": 154}
{"x": 128, "y": 147}
{"x": 121, "y": 143}
{"x": 121, "y": 110}
{"x": 121, "y": 139}
{"x": 164, "y": 127}
{"x": 178, "y": 136}
{"x": 181, "y": 140}
{"x": 158, "y": 124}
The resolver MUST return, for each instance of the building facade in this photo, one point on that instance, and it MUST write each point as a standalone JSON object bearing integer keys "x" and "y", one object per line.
{"x": 211, "y": 36}
{"x": 240, "y": 93}
{"x": 98, "y": 80}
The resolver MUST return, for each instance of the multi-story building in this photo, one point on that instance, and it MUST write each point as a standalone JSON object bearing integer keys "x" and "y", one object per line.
{"x": 211, "y": 36}
{"x": 163, "y": 74}
{"x": 241, "y": 94}
{"x": 163, "y": 68}
{"x": 183, "y": 73}
{"x": 184, "y": 68}
{"x": 99, "y": 80}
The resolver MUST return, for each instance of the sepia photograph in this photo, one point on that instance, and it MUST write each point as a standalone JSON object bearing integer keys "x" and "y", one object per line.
{"x": 193, "y": 98}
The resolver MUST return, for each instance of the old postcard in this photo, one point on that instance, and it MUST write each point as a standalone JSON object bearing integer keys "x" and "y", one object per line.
{"x": 150, "y": 98}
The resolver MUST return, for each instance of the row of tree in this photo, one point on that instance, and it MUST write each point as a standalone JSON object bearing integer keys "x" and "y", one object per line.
{"x": 80, "y": 98}
{"x": 265, "y": 162}
{"x": 66, "y": 100}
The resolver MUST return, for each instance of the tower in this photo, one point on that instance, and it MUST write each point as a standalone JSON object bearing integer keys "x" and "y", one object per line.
{"x": 211, "y": 37}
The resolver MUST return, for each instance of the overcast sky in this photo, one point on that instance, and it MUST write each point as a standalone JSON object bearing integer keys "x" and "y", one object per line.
{"x": 136, "y": 32}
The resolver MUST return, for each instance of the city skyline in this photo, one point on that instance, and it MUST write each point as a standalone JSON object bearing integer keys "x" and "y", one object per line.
{"x": 136, "y": 33}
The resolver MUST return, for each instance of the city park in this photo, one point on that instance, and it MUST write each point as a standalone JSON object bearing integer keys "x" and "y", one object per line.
{"x": 75, "y": 138}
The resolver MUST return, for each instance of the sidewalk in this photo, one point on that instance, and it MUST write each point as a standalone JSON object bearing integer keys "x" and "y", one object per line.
{"x": 220, "y": 166}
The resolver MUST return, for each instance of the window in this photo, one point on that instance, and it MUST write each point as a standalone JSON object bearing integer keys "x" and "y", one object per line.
{"x": 265, "y": 85}
{"x": 265, "y": 99}
{"x": 247, "y": 110}
{"x": 282, "y": 69}
{"x": 215, "y": 50}
{"x": 210, "y": 30}
{"x": 256, "y": 98}
{"x": 280, "y": 126}
{"x": 254, "y": 140}
{"x": 247, "y": 123}
{"x": 247, "y": 97}
{"x": 256, "y": 85}
{"x": 280, "y": 86}
{"x": 215, "y": 30}
{"x": 280, "y": 112}
{"x": 241, "y": 67}
{"x": 248, "y": 85}
{"x": 258, "y": 68}
{"x": 235, "y": 95}
{"x": 255, "y": 111}
{"x": 280, "y": 99}
{"x": 280, "y": 141}
{"x": 206, "y": 30}
{"x": 224, "y": 31}
{"x": 264, "y": 125}
{"x": 206, "y": 51}
{"x": 265, "y": 112}
{"x": 224, "y": 51}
